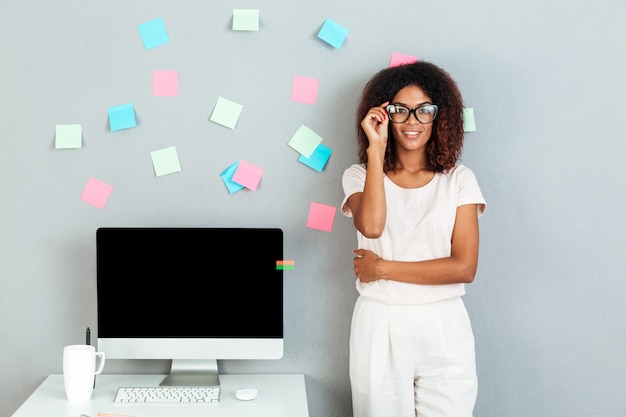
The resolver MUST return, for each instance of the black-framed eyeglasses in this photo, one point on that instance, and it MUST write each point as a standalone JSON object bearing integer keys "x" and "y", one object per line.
{"x": 399, "y": 113}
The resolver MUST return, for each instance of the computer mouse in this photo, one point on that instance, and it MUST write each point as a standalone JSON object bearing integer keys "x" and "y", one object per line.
{"x": 246, "y": 394}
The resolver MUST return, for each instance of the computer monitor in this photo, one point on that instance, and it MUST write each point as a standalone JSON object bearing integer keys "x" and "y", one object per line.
{"x": 192, "y": 295}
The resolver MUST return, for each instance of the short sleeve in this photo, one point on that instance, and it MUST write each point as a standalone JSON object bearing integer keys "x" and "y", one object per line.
{"x": 353, "y": 181}
{"x": 469, "y": 190}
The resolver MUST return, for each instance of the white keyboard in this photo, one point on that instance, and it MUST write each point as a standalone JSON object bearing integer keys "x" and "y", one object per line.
{"x": 167, "y": 394}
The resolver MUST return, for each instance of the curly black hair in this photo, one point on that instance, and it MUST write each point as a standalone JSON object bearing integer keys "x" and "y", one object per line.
{"x": 446, "y": 142}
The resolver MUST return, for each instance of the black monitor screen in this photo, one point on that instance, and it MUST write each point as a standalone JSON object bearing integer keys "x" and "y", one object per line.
{"x": 189, "y": 282}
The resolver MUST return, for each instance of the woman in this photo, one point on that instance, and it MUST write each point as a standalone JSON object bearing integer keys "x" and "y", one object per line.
{"x": 416, "y": 213}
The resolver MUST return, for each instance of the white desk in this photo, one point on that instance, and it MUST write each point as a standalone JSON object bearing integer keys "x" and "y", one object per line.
{"x": 279, "y": 395}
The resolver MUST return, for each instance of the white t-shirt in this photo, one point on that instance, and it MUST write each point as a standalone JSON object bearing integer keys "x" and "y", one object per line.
{"x": 418, "y": 227}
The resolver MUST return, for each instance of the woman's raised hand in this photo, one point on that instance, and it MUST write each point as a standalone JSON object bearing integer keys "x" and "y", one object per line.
{"x": 375, "y": 124}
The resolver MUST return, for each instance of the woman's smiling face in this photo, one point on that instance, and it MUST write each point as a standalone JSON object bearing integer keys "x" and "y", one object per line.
{"x": 412, "y": 134}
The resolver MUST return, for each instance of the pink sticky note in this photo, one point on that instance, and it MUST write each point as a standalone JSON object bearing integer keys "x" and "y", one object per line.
{"x": 164, "y": 83}
{"x": 248, "y": 175}
{"x": 321, "y": 217}
{"x": 304, "y": 89}
{"x": 398, "y": 59}
{"x": 96, "y": 192}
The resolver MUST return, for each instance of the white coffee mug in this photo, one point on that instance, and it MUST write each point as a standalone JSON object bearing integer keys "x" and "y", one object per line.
{"x": 79, "y": 370}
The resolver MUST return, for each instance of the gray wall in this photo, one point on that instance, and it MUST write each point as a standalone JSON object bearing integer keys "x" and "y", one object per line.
{"x": 546, "y": 81}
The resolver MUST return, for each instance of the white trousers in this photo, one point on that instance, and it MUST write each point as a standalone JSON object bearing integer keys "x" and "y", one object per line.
{"x": 408, "y": 361}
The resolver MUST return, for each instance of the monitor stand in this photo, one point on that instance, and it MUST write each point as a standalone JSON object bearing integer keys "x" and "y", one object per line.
{"x": 193, "y": 373}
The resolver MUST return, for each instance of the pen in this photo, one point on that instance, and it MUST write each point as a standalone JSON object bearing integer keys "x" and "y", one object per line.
{"x": 110, "y": 415}
{"x": 88, "y": 342}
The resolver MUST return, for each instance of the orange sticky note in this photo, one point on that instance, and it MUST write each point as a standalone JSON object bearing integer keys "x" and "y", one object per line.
{"x": 285, "y": 265}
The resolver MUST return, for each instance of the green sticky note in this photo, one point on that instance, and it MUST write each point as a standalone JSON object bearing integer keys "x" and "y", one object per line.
{"x": 165, "y": 161}
{"x": 305, "y": 141}
{"x": 285, "y": 267}
{"x": 226, "y": 113}
{"x": 246, "y": 19}
{"x": 68, "y": 137}
{"x": 469, "y": 125}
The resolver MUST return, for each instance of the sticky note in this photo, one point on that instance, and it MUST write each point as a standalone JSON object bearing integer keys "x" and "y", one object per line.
{"x": 164, "y": 83}
{"x": 226, "y": 113}
{"x": 321, "y": 217}
{"x": 122, "y": 117}
{"x": 96, "y": 192}
{"x": 153, "y": 33}
{"x": 318, "y": 158}
{"x": 305, "y": 141}
{"x": 246, "y": 19}
{"x": 398, "y": 59}
{"x": 165, "y": 161}
{"x": 304, "y": 89}
{"x": 469, "y": 125}
{"x": 333, "y": 33}
{"x": 248, "y": 175}
{"x": 68, "y": 136}
{"x": 227, "y": 177}
{"x": 285, "y": 265}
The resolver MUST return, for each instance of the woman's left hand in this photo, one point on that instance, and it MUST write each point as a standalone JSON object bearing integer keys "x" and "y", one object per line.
{"x": 366, "y": 263}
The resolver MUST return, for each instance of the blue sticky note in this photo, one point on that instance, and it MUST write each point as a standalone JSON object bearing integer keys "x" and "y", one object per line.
{"x": 153, "y": 33}
{"x": 227, "y": 177}
{"x": 333, "y": 33}
{"x": 122, "y": 117}
{"x": 318, "y": 158}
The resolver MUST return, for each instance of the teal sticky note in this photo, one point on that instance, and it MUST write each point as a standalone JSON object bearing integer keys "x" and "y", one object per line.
{"x": 469, "y": 125}
{"x": 318, "y": 158}
{"x": 68, "y": 136}
{"x": 122, "y": 117}
{"x": 226, "y": 113}
{"x": 333, "y": 33}
{"x": 227, "y": 177}
{"x": 305, "y": 141}
{"x": 153, "y": 33}
{"x": 246, "y": 19}
{"x": 165, "y": 161}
